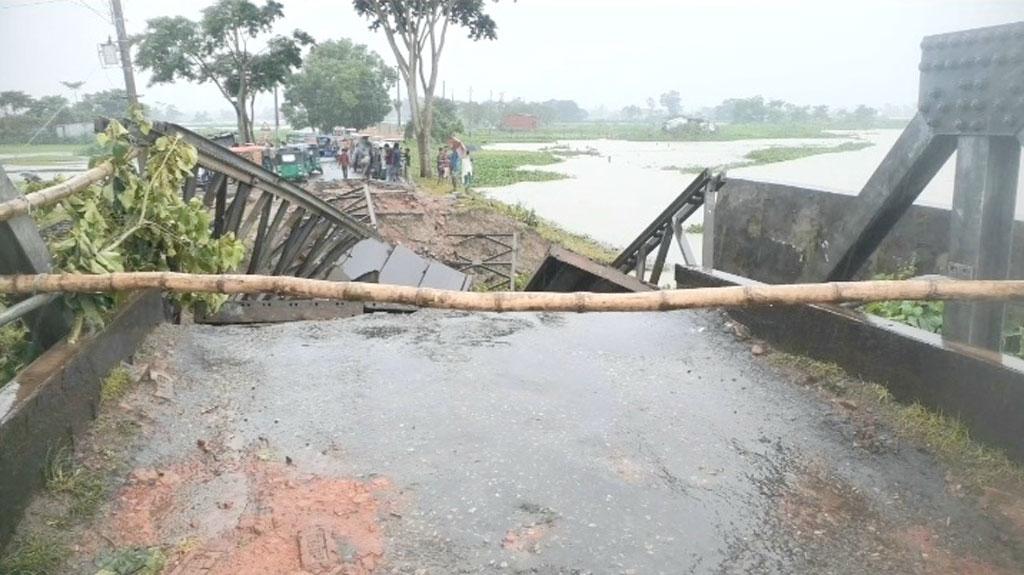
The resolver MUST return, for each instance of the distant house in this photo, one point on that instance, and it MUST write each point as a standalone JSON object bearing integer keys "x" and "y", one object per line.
{"x": 74, "y": 130}
{"x": 689, "y": 124}
{"x": 520, "y": 122}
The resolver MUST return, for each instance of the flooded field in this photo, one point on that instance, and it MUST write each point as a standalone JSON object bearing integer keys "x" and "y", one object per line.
{"x": 613, "y": 195}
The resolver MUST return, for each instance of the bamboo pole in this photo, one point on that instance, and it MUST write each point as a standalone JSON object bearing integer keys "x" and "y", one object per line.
{"x": 733, "y": 296}
{"x": 55, "y": 193}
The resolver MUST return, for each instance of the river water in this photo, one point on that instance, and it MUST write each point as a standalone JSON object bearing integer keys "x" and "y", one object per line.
{"x": 614, "y": 195}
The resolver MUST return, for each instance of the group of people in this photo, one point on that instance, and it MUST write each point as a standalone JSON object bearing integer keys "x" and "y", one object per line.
{"x": 389, "y": 163}
{"x": 455, "y": 162}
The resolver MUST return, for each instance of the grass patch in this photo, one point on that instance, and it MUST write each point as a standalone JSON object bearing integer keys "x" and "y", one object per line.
{"x": 137, "y": 561}
{"x": 647, "y": 132}
{"x": 926, "y": 315}
{"x": 579, "y": 243}
{"x": 773, "y": 155}
{"x": 494, "y": 168}
{"x": 42, "y": 160}
{"x": 947, "y": 437}
{"x": 82, "y": 487}
{"x": 16, "y": 351}
{"x": 43, "y": 149}
{"x": 116, "y": 384}
{"x": 788, "y": 153}
{"x": 564, "y": 151}
{"x": 33, "y": 556}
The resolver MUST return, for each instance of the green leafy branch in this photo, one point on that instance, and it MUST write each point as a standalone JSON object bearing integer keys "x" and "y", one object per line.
{"x": 139, "y": 222}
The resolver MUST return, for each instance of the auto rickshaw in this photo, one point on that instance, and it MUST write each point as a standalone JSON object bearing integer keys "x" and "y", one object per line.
{"x": 256, "y": 154}
{"x": 291, "y": 164}
{"x": 313, "y": 161}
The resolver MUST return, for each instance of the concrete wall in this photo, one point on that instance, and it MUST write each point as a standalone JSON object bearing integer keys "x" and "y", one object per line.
{"x": 982, "y": 389}
{"x": 767, "y": 232}
{"x": 55, "y": 397}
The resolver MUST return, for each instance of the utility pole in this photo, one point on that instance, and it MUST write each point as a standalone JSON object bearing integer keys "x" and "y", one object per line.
{"x": 398, "y": 105}
{"x": 126, "y": 53}
{"x": 277, "y": 118}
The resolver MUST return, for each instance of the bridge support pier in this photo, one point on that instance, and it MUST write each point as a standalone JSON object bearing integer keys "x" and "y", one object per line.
{"x": 981, "y": 232}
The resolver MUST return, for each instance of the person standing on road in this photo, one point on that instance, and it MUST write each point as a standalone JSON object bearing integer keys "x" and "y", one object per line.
{"x": 399, "y": 164}
{"x": 467, "y": 171}
{"x": 455, "y": 167}
{"x": 442, "y": 165}
{"x": 344, "y": 161}
{"x": 406, "y": 159}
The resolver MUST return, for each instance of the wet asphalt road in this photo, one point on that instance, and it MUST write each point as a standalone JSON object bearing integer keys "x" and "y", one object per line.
{"x": 541, "y": 443}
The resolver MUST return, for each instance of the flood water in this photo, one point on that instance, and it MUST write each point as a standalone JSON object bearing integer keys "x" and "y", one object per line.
{"x": 612, "y": 197}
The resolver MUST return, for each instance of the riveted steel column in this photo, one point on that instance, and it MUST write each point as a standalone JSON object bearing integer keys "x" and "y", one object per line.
{"x": 981, "y": 232}
{"x": 22, "y": 250}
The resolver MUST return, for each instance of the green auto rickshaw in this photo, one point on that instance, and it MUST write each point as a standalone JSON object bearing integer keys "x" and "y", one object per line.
{"x": 313, "y": 160}
{"x": 291, "y": 164}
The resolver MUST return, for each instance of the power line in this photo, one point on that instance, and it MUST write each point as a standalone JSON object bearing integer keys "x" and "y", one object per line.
{"x": 29, "y": 4}
{"x": 105, "y": 17}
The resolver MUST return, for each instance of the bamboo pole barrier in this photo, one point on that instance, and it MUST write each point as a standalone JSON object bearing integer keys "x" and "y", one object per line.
{"x": 55, "y": 193}
{"x": 733, "y": 296}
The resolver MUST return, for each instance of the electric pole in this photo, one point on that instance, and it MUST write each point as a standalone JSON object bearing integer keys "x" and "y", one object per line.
{"x": 126, "y": 53}
{"x": 398, "y": 104}
{"x": 277, "y": 119}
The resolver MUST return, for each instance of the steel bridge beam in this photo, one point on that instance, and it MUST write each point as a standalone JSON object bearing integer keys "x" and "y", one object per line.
{"x": 981, "y": 232}
{"x": 22, "y": 250}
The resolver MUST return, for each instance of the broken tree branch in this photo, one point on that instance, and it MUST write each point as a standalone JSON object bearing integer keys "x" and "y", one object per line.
{"x": 742, "y": 296}
{"x": 55, "y": 193}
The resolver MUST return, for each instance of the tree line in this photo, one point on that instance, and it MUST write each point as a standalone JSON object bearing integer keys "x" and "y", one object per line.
{"x": 24, "y": 118}
{"x": 751, "y": 110}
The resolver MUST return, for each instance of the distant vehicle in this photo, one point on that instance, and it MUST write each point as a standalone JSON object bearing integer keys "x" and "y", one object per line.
{"x": 313, "y": 154}
{"x": 291, "y": 163}
{"x": 259, "y": 155}
{"x": 328, "y": 146}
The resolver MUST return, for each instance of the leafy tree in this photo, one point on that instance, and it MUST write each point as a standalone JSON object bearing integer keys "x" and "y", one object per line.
{"x": 672, "y": 102}
{"x": 447, "y": 122}
{"x": 631, "y": 113}
{"x": 144, "y": 226}
{"x": 340, "y": 84}
{"x": 216, "y": 49}
{"x": 416, "y": 31}
{"x": 565, "y": 110}
{"x": 820, "y": 113}
{"x": 13, "y": 102}
{"x": 108, "y": 104}
{"x": 864, "y": 115}
{"x": 171, "y": 113}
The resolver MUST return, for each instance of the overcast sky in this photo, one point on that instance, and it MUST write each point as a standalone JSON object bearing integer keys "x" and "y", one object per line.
{"x": 598, "y": 52}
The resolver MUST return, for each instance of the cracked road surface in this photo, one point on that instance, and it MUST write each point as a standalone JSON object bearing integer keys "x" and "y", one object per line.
{"x": 521, "y": 443}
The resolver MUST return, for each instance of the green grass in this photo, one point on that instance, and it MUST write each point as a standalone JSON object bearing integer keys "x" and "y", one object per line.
{"x": 15, "y": 349}
{"x": 579, "y": 243}
{"x": 42, "y": 149}
{"x": 116, "y": 384}
{"x": 82, "y": 487}
{"x": 773, "y": 154}
{"x": 645, "y": 132}
{"x": 788, "y": 153}
{"x": 947, "y": 437}
{"x": 33, "y": 556}
{"x": 134, "y": 561}
{"x": 494, "y": 168}
{"x": 42, "y": 160}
